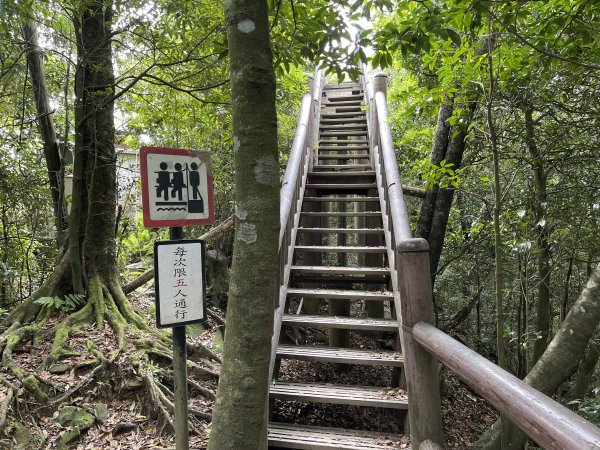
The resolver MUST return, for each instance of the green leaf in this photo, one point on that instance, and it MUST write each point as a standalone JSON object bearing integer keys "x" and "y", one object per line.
{"x": 454, "y": 36}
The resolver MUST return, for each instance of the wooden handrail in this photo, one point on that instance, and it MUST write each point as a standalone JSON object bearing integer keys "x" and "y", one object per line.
{"x": 292, "y": 193}
{"x": 544, "y": 420}
{"x": 398, "y": 209}
{"x": 292, "y": 171}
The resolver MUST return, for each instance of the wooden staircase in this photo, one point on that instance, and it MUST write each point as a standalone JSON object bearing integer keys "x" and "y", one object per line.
{"x": 340, "y": 260}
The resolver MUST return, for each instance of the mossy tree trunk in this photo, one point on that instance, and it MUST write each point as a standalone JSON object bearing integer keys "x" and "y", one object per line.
{"x": 239, "y": 416}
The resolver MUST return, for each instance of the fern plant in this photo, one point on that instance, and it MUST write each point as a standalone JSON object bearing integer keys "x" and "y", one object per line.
{"x": 68, "y": 303}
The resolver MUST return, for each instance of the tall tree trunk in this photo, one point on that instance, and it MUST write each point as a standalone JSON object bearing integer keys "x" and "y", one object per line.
{"x": 448, "y": 145}
{"x": 561, "y": 358}
{"x": 542, "y": 321}
{"x": 523, "y": 332}
{"x": 239, "y": 417}
{"x": 93, "y": 210}
{"x": 441, "y": 138}
{"x": 45, "y": 123}
{"x": 498, "y": 253}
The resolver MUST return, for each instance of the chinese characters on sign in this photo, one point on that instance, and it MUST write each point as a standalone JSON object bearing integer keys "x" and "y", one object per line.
{"x": 177, "y": 187}
{"x": 180, "y": 286}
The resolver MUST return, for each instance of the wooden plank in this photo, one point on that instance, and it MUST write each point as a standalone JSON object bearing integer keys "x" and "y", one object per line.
{"x": 343, "y": 126}
{"x": 343, "y": 86}
{"x": 348, "y": 108}
{"x": 355, "y": 156}
{"x": 340, "y": 294}
{"x": 341, "y": 133}
{"x": 332, "y": 104}
{"x": 346, "y": 173}
{"x": 341, "y": 355}
{"x": 341, "y": 270}
{"x": 342, "y": 214}
{"x": 343, "y": 142}
{"x": 337, "y": 394}
{"x": 339, "y": 249}
{"x": 349, "y": 167}
{"x": 358, "y": 120}
{"x": 338, "y": 322}
{"x": 344, "y": 98}
{"x": 342, "y": 230}
{"x": 285, "y": 435}
{"x": 341, "y": 187}
{"x": 341, "y": 199}
{"x": 327, "y": 115}
{"x": 335, "y": 148}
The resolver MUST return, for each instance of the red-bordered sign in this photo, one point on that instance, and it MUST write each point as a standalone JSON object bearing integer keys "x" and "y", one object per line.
{"x": 177, "y": 187}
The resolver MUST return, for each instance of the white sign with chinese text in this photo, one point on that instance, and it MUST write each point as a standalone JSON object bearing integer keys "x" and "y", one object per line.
{"x": 180, "y": 282}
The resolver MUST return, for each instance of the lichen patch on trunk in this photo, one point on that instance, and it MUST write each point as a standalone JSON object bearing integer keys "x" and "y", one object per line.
{"x": 246, "y": 26}
{"x": 247, "y": 233}
{"x": 267, "y": 171}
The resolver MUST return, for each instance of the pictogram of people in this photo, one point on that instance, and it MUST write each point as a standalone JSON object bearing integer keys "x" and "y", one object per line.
{"x": 195, "y": 181}
{"x": 177, "y": 183}
{"x": 164, "y": 181}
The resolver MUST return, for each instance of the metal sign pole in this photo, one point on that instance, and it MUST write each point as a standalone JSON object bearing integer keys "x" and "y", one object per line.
{"x": 180, "y": 373}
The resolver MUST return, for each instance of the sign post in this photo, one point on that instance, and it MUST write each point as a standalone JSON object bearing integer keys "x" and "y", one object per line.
{"x": 180, "y": 393}
{"x": 177, "y": 190}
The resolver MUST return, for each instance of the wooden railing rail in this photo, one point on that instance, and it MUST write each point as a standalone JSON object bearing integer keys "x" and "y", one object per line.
{"x": 408, "y": 259}
{"x": 292, "y": 193}
{"x": 544, "y": 420}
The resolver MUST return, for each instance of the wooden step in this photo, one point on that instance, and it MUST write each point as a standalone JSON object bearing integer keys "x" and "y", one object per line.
{"x": 340, "y": 294}
{"x": 347, "y": 173}
{"x": 342, "y": 109}
{"x": 339, "y": 249}
{"x": 341, "y": 355}
{"x": 345, "y": 323}
{"x": 343, "y": 142}
{"x": 328, "y": 115}
{"x": 341, "y": 230}
{"x": 342, "y": 133}
{"x": 351, "y": 156}
{"x": 344, "y": 148}
{"x": 345, "y": 98}
{"x": 284, "y": 435}
{"x": 348, "y": 86}
{"x": 341, "y": 187}
{"x": 341, "y": 199}
{"x": 341, "y": 214}
{"x": 342, "y": 127}
{"x": 334, "y": 104}
{"x": 335, "y": 270}
{"x": 349, "y": 167}
{"x": 358, "y": 120}
{"x": 339, "y": 394}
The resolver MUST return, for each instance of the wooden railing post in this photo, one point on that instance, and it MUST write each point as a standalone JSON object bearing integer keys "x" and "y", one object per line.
{"x": 421, "y": 367}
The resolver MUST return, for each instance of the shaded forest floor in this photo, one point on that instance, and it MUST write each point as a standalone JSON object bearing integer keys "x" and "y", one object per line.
{"x": 114, "y": 410}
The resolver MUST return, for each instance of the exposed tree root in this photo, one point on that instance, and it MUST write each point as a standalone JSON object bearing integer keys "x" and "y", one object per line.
{"x": 27, "y": 379}
{"x": 196, "y": 347}
{"x": 155, "y": 394}
{"x": 207, "y": 393}
{"x": 102, "y": 364}
{"x": 106, "y": 304}
{"x": 215, "y": 317}
{"x": 5, "y": 405}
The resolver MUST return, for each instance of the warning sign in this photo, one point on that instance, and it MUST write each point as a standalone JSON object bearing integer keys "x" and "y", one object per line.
{"x": 177, "y": 187}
